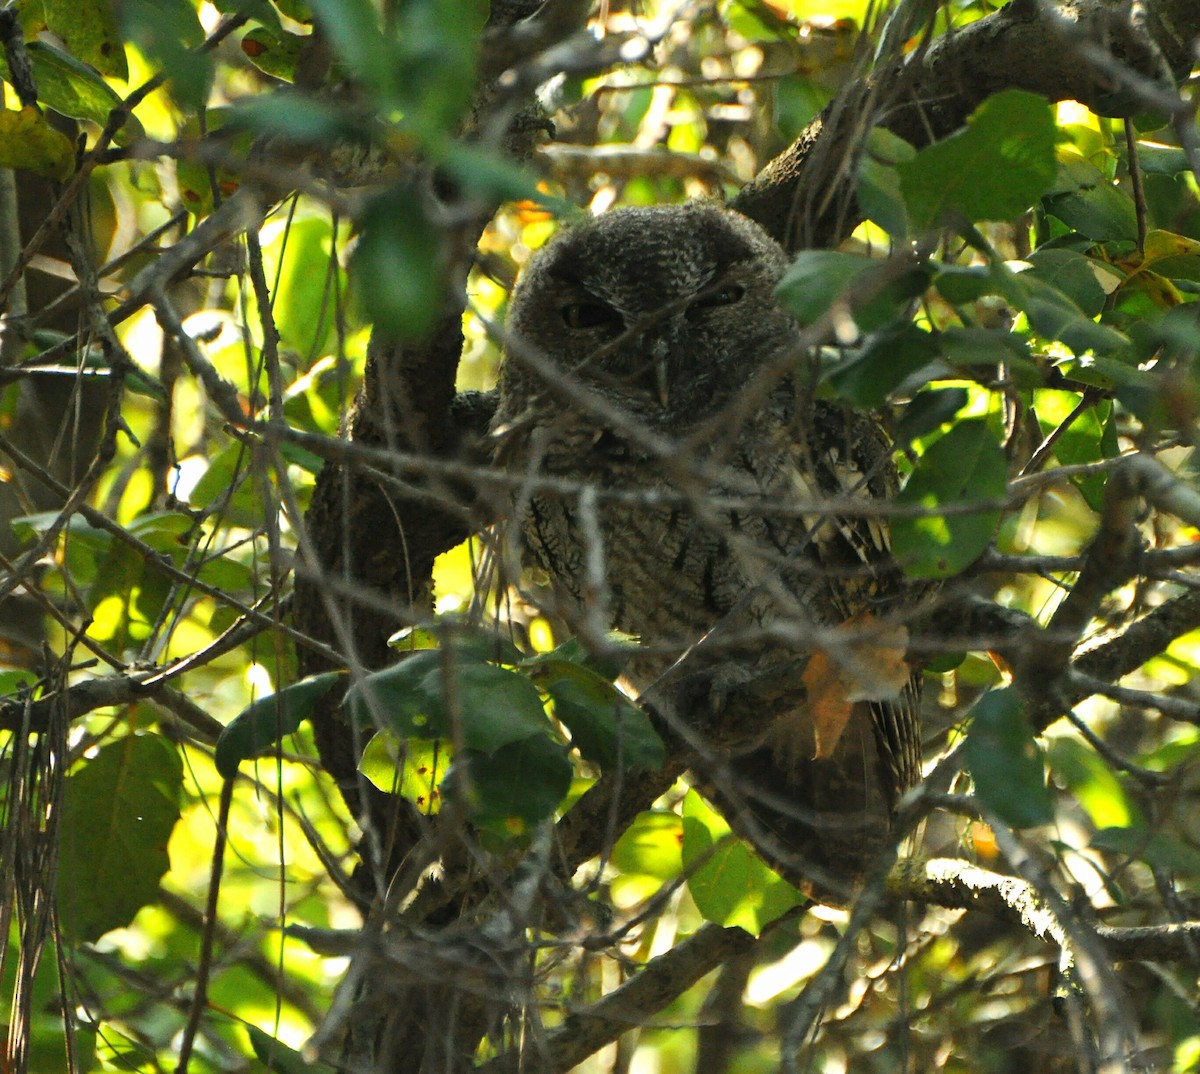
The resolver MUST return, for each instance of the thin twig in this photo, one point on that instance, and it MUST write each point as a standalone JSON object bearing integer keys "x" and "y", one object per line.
{"x": 208, "y": 936}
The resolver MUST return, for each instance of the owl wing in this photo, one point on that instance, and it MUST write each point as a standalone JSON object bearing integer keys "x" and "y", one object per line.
{"x": 843, "y": 456}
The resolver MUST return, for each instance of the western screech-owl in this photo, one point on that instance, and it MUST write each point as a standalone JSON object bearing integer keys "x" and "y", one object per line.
{"x": 657, "y": 398}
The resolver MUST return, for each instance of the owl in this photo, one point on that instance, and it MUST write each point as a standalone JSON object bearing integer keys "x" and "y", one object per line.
{"x": 656, "y": 402}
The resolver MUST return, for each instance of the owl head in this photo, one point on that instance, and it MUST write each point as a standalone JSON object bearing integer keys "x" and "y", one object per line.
{"x": 664, "y": 311}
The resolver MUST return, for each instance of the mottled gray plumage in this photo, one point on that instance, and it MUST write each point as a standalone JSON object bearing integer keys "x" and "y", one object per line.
{"x": 651, "y": 373}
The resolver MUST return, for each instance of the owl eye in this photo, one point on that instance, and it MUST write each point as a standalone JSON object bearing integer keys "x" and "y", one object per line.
{"x": 590, "y": 315}
{"x": 722, "y": 296}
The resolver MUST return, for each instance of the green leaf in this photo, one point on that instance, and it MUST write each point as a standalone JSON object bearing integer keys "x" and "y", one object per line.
{"x": 960, "y": 284}
{"x": 649, "y": 847}
{"x": 890, "y": 358}
{"x": 268, "y": 719}
{"x": 230, "y": 488}
{"x": 473, "y": 643}
{"x": 1161, "y": 848}
{"x": 493, "y": 706}
{"x": 295, "y": 116}
{"x": 879, "y": 195}
{"x": 1092, "y": 783}
{"x": 995, "y": 169}
{"x": 27, "y": 141}
{"x": 1157, "y": 159}
{"x": 516, "y": 786}
{"x": 352, "y": 28}
{"x": 88, "y": 30}
{"x": 927, "y": 411}
{"x": 72, "y": 88}
{"x": 983, "y": 346}
{"x": 966, "y": 466}
{"x": 279, "y": 1058}
{"x": 256, "y": 9}
{"x": 169, "y": 33}
{"x": 396, "y": 265}
{"x": 1089, "y": 438}
{"x": 413, "y": 767}
{"x": 729, "y": 883}
{"x": 605, "y": 726}
{"x": 118, "y": 813}
{"x": 435, "y": 64}
{"x": 487, "y": 175}
{"x": 818, "y": 278}
{"x": 1084, "y": 199}
{"x": 1054, "y": 315}
{"x": 297, "y": 10}
{"x": 1005, "y": 762}
{"x": 607, "y": 664}
{"x": 307, "y": 276}
{"x": 273, "y": 51}
{"x": 1072, "y": 274}
{"x": 870, "y": 288}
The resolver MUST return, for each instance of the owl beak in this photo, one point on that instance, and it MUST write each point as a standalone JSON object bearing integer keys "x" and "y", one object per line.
{"x": 658, "y": 347}
{"x": 661, "y": 382}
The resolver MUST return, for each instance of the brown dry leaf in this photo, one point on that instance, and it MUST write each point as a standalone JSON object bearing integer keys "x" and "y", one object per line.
{"x": 829, "y": 703}
{"x": 867, "y": 668}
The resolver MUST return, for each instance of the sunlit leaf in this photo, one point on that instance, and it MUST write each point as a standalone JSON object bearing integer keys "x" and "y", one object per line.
{"x": 995, "y": 169}
{"x": 650, "y": 846}
{"x": 729, "y": 883}
{"x": 88, "y": 30}
{"x": 965, "y": 467}
{"x": 1092, "y": 783}
{"x": 28, "y": 141}
{"x": 1090, "y": 437}
{"x": 412, "y": 767}
{"x": 72, "y": 88}
{"x": 302, "y": 260}
{"x": 273, "y": 51}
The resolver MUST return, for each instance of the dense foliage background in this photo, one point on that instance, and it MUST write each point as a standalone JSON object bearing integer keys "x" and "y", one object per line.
{"x": 205, "y": 210}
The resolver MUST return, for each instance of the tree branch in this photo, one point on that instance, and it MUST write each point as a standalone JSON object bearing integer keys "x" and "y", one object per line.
{"x": 959, "y": 885}
{"x": 585, "y": 1032}
{"x": 1041, "y": 47}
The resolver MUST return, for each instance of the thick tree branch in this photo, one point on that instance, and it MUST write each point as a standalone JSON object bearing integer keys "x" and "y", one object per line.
{"x": 585, "y": 1032}
{"x": 803, "y": 196}
{"x": 959, "y": 885}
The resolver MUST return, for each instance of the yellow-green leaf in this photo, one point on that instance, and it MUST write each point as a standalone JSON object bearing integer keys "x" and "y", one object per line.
{"x": 27, "y": 141}
{"x": 87, "y": 28}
